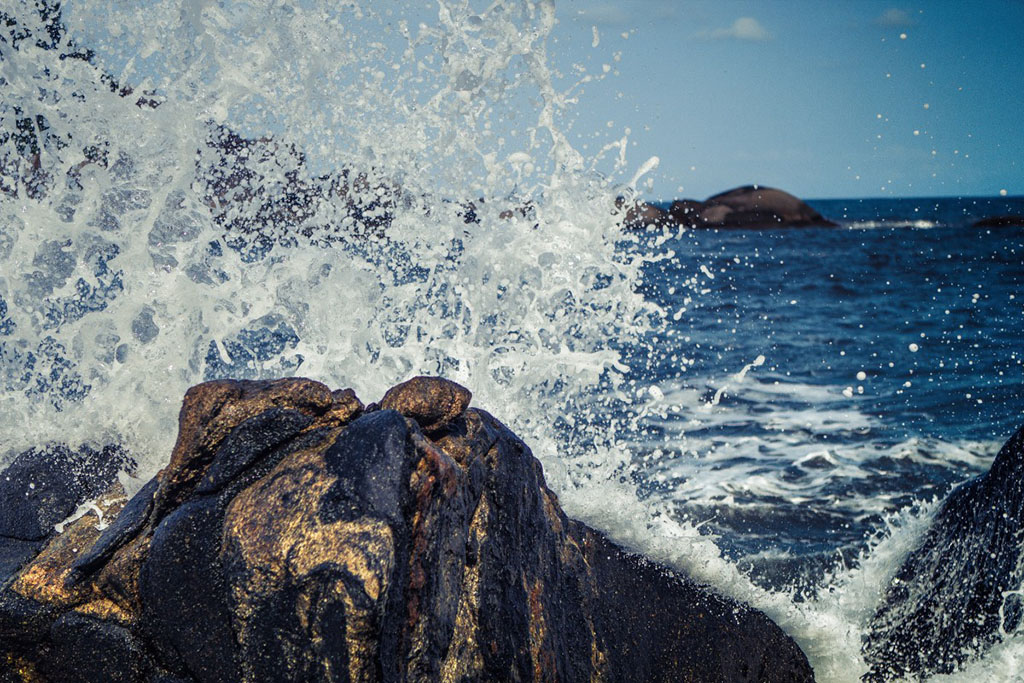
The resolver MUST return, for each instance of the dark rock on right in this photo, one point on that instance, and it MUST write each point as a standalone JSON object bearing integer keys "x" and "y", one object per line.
{"x": 1009, "y": 220}
{"x": 959, "y": 591}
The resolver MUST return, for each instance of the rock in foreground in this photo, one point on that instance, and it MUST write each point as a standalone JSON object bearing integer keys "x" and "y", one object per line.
{"x": 297, "y": 535}
{"x": 959, "y": 590}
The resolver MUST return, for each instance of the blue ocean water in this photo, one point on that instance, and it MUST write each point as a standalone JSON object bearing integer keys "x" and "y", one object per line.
{"x": 893, "y": 369}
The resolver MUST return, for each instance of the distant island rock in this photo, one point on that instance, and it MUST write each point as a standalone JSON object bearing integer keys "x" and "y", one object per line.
{"x": 1009, "y": 220}
{"x": 747, "y": 207}
{"x": 298, "y": 535}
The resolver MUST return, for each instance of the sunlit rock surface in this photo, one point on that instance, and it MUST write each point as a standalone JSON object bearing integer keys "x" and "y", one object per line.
{"x": 959, "y": 591}
{"x": 298, "y": 535}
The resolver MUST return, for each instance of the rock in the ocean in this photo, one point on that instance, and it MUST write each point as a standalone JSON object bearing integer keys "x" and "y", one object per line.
{"x": 641, "y": 215}
{"x": 297, "y": 536}
{"x": 686, "y": 212}
{"x": 1009, "y": 220}
{"x": 757, "y": 206}
{"x": 958, "y": 591}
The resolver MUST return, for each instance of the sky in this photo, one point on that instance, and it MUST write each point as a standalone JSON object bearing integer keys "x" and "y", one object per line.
{"x": 845, "y": 98}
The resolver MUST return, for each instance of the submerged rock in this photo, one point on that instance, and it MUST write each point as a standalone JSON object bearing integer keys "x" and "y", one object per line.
{"x": 296, "y": 535}
{"x": 959, "y": 591}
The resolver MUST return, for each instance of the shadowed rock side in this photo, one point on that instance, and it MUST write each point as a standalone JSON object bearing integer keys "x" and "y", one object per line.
{"x": 959, "y": 591}
{"x": 298, "y": 536}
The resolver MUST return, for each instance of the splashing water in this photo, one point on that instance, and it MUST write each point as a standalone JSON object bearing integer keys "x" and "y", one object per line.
{"x": 335, "y": 192}
{"x": 355, "y": 194}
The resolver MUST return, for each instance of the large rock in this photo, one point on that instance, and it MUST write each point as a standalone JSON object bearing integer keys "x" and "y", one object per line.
{"x": 298, "y": 535}
{"x": 958, "y": 592}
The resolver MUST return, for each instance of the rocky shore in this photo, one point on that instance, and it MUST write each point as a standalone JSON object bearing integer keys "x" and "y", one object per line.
{"x": 299, "y": 535}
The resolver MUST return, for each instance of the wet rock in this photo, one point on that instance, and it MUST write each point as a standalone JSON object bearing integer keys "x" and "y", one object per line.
{"x": 430, "y": 401}
{"x": 297, "y": 536}
{"x": 42, "y": 487}
{"x": 955, "y": 594}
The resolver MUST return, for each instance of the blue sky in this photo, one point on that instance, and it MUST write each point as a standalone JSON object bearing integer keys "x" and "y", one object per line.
{"x": 824, "y": 99}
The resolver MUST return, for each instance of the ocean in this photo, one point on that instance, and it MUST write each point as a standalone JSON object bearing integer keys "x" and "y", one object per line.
{"x": 212, "y": 193}
{"x": 892, "y": 371}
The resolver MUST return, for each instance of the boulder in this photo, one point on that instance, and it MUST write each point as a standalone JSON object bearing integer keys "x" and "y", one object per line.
{"x": 298, "y": 535}
{"x": 756, "y": 206}
{"x": 959, "y": 591}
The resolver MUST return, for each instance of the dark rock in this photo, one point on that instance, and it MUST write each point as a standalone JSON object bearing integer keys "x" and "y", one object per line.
{"x": 756, "y": 206}
{"x": 42, "y": 487}
{"x": 249, "y": 442}
{"x": 14, "y": 553}
{"x": 686, "y": 212}
{"x": 957, "y": 591}
{"x": 641, "y": 215}
{"x": 292, "y": 539}
{"x": 184, "y": 598}
{"x": 87, "y": 650}
{"x": 1009, "y": 220}
{"x": 431, "y": 401}
{"x": 127, "y": 525}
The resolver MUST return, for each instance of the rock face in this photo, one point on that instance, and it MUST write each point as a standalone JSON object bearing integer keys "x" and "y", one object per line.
{"x": 297, "y": 535}
{"x": 955, "y": 593}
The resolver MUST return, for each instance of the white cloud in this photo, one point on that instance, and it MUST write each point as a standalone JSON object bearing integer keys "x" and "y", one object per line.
{"x": 602, "y": 13}
{"x": 895, "y": 18}
{"x": 744, "y": 28}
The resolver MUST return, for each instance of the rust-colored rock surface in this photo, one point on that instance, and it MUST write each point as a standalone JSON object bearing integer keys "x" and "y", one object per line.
{"x": 431, "y": 401}
{"x": 296, "y": 536}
